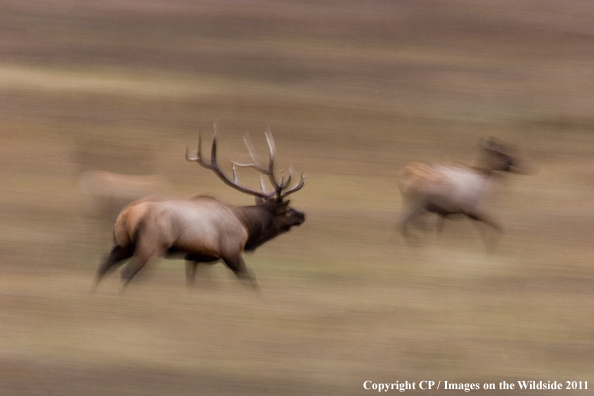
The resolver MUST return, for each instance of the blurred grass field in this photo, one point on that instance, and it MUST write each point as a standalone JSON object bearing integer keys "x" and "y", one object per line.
{"x": 352, "y": 92}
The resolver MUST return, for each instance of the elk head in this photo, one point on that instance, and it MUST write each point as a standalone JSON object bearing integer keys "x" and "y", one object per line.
{"x": 496, "y": 156}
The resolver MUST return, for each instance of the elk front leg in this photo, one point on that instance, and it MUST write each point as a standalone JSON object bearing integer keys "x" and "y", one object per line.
{"x": 440, "y": 221}
{"x": 478, "y": 217}
{"x": 237, "y": 265}
{"x": 191, "y": 266}
{"x": 192, "y": 262}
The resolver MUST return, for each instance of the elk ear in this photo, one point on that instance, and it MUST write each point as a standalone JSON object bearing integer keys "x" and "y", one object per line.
{"x": 488, "y": 144}
{"x": 259, "y": 200}
{"x": 282, "y": 207}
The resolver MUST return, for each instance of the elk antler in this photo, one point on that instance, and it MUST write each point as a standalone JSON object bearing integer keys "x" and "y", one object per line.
{"x": 214, "y": 166}
{"x": 279, "y": 187}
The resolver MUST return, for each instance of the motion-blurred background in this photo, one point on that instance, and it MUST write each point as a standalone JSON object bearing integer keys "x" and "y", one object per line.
{"x": 352, "y": 91}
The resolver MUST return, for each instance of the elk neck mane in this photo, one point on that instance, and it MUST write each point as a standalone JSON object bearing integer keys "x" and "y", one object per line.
{"x": 259, "y": 223}
{"x": 258, "y": 220}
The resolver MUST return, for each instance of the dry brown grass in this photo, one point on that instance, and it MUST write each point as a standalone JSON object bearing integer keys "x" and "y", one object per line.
{"x": 352, "y": 91}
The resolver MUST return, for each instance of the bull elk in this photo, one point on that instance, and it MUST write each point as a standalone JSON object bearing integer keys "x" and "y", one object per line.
{"x": 204, "y": 229}
{"x": 453, "y": 189}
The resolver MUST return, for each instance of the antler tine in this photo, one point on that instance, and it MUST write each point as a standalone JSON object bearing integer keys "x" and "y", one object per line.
{"x": 297, "y": 187}
{"x": 269, "y": 171}
{"x": 214, "y": 166}
{"x": 278, "y": 187}
{"x": 271, "y": 147}
{"x": 188, "y": 158}
{"x": 235, "y": 178}
{"x": 282, "y": 180}
{"x": 213, "y": 151}
{"x": 284, "y": 184}
{"x": 262, "y": 184}
{"x": 197, "y": 158}
{"x": 251, "y": 152}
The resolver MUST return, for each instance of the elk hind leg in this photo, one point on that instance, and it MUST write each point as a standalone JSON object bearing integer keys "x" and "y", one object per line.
{"x": 132, "y": 268}
{"x": 144, "y": 251}
{"x": 412, "y": 217}
{"x": 116, "y": 257}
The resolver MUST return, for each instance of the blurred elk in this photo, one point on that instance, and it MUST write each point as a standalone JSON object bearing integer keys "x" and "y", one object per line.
{"x": 203, "y": 228}
{"x": 108, "y": 193}
{"x": 448, "y": 190}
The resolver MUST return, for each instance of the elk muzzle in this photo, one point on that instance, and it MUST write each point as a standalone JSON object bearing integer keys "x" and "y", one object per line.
{"x": 294, "y": 218}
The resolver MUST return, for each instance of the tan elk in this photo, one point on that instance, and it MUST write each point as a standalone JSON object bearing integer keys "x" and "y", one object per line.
{"x": 204, "y": 229}
{"x": 453, "y": 189}
{"x": 108, "y": 193}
